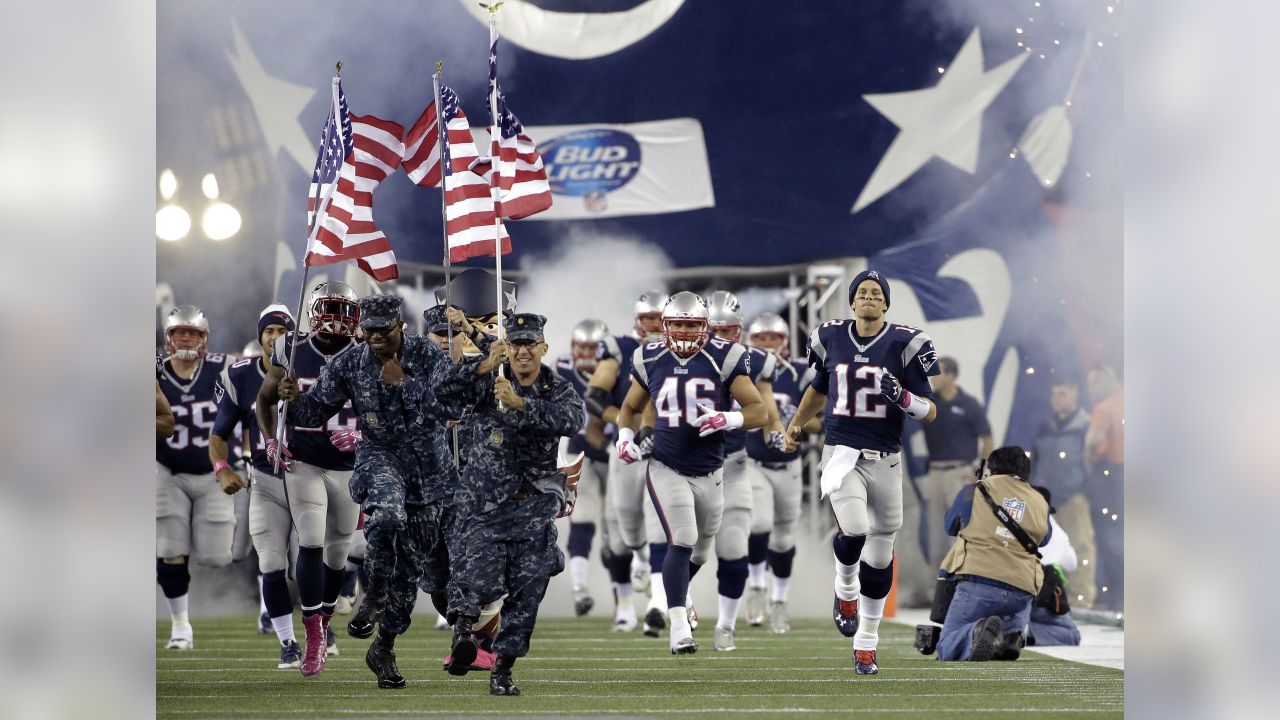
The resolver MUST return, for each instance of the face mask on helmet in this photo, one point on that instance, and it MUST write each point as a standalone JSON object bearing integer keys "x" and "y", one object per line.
{"x": 732, "y": 333}
{"x": 335, "y": 316}
{"x": 584, "y": 355}
{"x": 685, "y": 336}
{"x": 185, "y": 342}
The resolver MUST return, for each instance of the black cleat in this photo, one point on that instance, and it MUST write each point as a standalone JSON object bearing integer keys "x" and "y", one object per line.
{"x": 1012, "y": 647}
{"x": 845, "y": 615}
{"x": 365, "y": 616}
{"x": 464, "y": 649}
{"x": 500, "y": 682}
{"x": 987, "y": 639}
{"x": 864, "y": 662}
{"x": 654, "y": 623}
{"x": 381, "y": 659}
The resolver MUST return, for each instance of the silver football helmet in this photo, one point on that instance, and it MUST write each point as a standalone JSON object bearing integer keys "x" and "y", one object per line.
{"x": 685, "y": 307}
{"x": 725, "y": 315}
{"x": 587, "y": 336}
{"x": 251, "y": 350}
{"x": 335, "y": 309}
{"x": 766, "y": 324}
{"x": 649, "y": 307}
{"x": 186, "y": 317}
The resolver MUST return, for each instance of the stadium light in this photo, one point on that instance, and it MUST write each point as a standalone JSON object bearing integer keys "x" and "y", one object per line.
{"x": 168, "y": 184}
{"x": 220, "y": 221}
{"x": 172, "y": 223}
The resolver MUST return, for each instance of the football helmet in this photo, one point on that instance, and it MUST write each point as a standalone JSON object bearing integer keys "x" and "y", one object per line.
{"x": 251, "y": 349}
{"x": 725, "y": 315}
{"x": 334, "y": 309}
{"x": 649, "y": 306}
{"x": 587, "y": 336}
{"x": 685, "y": 307}
{"x": 188, "y": 317}
{"x": 765, "y": 324}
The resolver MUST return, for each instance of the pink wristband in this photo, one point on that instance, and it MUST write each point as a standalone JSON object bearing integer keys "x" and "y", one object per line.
{"x": 221, "y": 465}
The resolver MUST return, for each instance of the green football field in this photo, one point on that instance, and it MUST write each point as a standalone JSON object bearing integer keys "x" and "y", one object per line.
{"x": 578, "y": 669}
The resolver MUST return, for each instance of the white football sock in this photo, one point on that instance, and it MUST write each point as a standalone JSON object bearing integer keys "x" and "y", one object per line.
{"x": 870, "y": 610}
{"x": 846, "y": 581}
{"x": 283, "y": 626}
{"x": 178, "y": 609}
{"x": 780, "y": 588}
{"x": 262, "y": 599}
{"x": 658, "y": 592}
{"x": 728, "y": 612}
{"x": 758, "y": 577}
{"x": 622, "y": 591}
{"x": 625, "y": 611}
{"x": 578, "y": 571}
{"x": 679, "y": 622}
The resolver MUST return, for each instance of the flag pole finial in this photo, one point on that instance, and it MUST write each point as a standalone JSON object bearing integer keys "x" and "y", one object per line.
{"x": 337, "y": 68}
{"x": 440, "y": 68}
{"x": 491, "y": 7}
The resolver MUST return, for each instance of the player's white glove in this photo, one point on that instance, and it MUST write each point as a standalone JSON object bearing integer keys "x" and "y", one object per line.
{"x": 712, "y": 420}
{"x": 628, "y": 450}
{"x": 278, "y": 455}
{"x": 346, "y": 440}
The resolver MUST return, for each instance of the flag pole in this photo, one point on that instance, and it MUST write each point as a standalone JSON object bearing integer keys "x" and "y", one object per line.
{"x": 442, "y": 132}
{"x": 493, "y": 173}
{"x": 283, "y": 405}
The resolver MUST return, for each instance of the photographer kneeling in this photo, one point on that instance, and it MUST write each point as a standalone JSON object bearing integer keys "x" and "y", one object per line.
{"x": 1000, "y": 522}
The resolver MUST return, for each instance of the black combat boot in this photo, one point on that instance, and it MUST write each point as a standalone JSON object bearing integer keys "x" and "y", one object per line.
{"x": 381, "y": 659}
{"x": 500, "y": 682}
{"x": 371, "y": 606}
{"x": 463, "y": 652}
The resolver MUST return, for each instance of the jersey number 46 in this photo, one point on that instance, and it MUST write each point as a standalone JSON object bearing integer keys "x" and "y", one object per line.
{"x": 669, "y": 401}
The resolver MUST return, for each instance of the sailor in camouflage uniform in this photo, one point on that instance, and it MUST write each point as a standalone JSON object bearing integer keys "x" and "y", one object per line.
{"x": 404, "y": 389}
{"x": 513, "y": 490}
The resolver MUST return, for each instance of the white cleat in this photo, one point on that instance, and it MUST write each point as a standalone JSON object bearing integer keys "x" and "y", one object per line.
{"x": 441, "y": 623}
{"x": 684, "y": 646}
{"x": 693, "y": 616}
{"x": 724, "y": 640}
{"x": 185, "y": 641}
{"x": 345, "y": 605}
{"x": 640, "y": 574}
{"x": 755, "y": 606}
{"x": 779, "y": 618}
{"x": 624, "y": 623}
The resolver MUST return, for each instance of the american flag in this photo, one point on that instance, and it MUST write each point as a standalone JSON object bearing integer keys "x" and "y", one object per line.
{"x": 520, "y": 180}
{"x": 469, "y": 216}
{"x": 351, "y": 164}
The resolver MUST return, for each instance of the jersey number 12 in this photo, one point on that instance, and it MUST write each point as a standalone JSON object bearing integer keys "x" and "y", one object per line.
{"x": 866, "y": 380}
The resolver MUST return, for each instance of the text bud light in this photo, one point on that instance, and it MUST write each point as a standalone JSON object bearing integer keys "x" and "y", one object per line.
{"x": 585, "y": 161}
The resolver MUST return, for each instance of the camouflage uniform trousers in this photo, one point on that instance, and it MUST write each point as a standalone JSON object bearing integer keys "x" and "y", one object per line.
{"x": 509, "y": 551}
{"x": 422, "y": 560}
{"x": 378, "y": 484}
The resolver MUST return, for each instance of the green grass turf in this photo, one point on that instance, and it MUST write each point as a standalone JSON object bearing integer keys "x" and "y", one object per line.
{"x": 579, "y": 669}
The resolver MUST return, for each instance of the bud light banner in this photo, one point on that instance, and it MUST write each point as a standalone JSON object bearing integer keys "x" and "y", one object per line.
{"x": 600, "y": 170}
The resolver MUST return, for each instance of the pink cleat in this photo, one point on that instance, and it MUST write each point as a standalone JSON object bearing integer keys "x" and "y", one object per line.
{"x": 314, "y": 656}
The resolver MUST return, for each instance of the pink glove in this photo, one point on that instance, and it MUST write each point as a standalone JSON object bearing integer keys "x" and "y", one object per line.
{"x": 276, "y": 453}
{"x": 346, "y": 440}
{"x": 712, "y": 420}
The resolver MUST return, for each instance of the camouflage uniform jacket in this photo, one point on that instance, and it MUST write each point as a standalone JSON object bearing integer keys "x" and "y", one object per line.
{"x": 402, "y": 426}
{"x": 517, "y": 450}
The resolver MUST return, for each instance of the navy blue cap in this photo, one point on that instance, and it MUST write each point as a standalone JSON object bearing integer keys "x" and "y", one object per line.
{"x": 276, "y": 314}
{"x": 436, "y": 319}
{"x": 870, "y": 275}
{"x": 379, "y": 312}
{"x": 525, "y": 326}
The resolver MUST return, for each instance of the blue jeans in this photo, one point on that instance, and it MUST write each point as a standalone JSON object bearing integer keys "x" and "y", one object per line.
{"x": 973, "y": 602}
{"x": 1049, "y": 629}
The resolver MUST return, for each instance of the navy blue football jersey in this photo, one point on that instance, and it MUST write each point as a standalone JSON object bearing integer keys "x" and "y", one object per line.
{"x": 620, "y": 348}
{"x": 790, "y": 379}
{"x": 847, "y": 370}
{"x": 194, "y": 410}
{"x": 761, "y": 364}
{"x": 236, "y": 393}
{"x": 312, "y": 445}
{"x": 579, "y": 380}
{"x": 676, "y": 385}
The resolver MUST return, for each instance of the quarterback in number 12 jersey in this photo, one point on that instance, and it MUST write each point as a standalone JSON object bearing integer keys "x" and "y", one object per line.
{"x": 847, "y": 370}
{"x": 677, "y": 385}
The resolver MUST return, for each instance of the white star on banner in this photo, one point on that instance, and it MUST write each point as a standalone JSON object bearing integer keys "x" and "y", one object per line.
{"x": 943, "y": 121}
{"x": 277, "y": 104}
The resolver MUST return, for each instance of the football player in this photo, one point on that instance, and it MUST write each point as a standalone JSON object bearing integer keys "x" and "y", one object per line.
{"x": 577, "y": 368}
{"x": 725, "y": 322}
{"x": 624, "y": 491}
{"x": 164, "y": 413}
{"x": 270, "y": 525}
{"x": 776, "y": 483}
{"x": 195, "y": 514}
{"x": 692, "y": 379}
{"x": 870, "y": 376}
{"x": 316, "y": 464}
